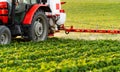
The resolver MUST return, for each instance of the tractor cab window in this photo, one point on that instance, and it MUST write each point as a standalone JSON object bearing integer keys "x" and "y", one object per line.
{"x": 26, "y": 1}
{"x": 20, "y": 6}
{"x": 29, "y": 1}
{"x": 23, "y": 1}
{"x": 33, "y": 1}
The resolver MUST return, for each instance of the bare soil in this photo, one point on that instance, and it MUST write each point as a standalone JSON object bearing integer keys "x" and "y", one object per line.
{"x": 88, "y": 36}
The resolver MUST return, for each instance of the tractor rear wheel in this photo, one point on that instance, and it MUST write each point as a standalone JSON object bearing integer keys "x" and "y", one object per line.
{"x": 5, "y": 35}
{"x": 38, "y": 31}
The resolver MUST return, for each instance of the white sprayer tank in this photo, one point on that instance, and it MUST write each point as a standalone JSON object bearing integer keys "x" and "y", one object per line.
{"x": 55, "y": 6}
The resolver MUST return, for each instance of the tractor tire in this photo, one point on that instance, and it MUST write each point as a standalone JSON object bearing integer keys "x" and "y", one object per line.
{"x": 38, "y": 30}
{"x": 5, "y": 35}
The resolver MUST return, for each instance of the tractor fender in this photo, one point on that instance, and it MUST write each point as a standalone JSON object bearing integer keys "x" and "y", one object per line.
{"x": 30, "y": 13}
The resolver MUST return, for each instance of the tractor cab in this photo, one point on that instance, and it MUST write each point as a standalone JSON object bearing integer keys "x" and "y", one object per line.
{"x": 22, "y": 6}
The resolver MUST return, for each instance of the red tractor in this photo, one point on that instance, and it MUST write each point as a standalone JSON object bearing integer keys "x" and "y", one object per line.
{"x": 33, "y": 20}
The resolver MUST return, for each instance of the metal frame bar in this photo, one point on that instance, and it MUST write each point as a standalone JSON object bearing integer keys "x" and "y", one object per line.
{"x": 71, "y": 29}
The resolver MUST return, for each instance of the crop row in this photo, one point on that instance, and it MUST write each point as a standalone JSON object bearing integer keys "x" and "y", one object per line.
{"x": 61, "y": 55}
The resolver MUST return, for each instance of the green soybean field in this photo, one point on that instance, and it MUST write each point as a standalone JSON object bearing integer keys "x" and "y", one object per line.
{"x": 61, "y": 55}
{"x": 68, "y": 54}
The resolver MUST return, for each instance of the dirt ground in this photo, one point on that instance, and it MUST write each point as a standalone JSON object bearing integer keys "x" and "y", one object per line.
{"x": 88, "y": 36}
